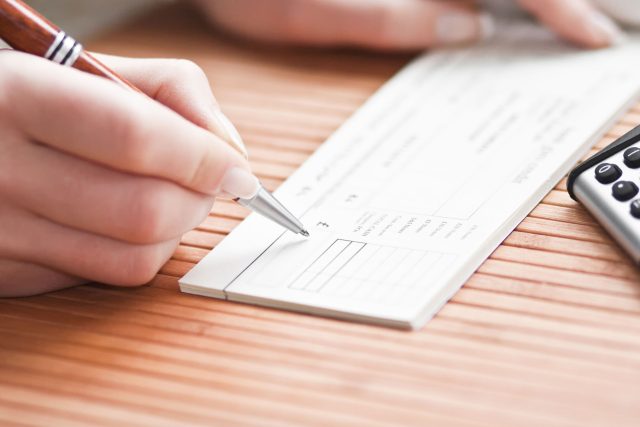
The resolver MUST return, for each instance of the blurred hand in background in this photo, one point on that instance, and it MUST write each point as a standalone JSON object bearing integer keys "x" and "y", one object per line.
{"x": 399, "y": 24}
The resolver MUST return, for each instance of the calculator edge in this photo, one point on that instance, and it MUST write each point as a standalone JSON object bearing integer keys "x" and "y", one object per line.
{"x": 596, "y": 199}
{"x": 621, "y": 228}
{"x": 619, "y": 144}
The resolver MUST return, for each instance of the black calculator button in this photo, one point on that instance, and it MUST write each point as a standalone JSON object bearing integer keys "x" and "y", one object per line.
{"x": 606, "y": 173}
{"x": 635, "y": 208}
{"x": 632, "y": 157}
{"x": 624, "y": 190}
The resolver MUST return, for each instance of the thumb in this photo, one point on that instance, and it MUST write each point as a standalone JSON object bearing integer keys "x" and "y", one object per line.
{"x": 182, "y": 86}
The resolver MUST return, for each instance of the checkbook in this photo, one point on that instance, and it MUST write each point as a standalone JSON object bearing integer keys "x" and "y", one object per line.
{"x": 413, "y": 192}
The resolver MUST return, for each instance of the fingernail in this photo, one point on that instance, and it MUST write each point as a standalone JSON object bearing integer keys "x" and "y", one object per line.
{"x": 604, "y": 30}
{"x": 227, "y": 131}
{"x": 241, "y": 183}
{"x": 462, "y": 27}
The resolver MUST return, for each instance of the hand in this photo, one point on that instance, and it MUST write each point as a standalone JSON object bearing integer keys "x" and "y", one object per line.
{"x": 98, "y": 183}
{"x": 397, "y": 24}
{"x": 577, "y": 21}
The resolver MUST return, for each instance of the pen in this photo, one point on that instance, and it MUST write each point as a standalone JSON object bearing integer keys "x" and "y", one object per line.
{"x": 24, "y": 29}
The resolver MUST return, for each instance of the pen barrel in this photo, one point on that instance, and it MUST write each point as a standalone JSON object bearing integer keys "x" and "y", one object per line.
{"x": 87, "y": 63}
{"x": 24, "y": 29}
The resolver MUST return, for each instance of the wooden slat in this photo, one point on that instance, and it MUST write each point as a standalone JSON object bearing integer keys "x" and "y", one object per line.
{"x": 544, "y": 333}
{"x": 563, "y": 245}
{"x": 566, "y": 262}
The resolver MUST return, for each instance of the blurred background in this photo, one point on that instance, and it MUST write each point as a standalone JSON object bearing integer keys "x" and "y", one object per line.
{"x": 84, "y": 17}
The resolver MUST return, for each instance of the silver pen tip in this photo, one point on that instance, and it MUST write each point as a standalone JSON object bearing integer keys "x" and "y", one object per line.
{"x": 305, "y": 233}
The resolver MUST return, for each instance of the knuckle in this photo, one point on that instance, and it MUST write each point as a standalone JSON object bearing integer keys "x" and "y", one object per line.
{"x": 187, "y": 69}
{"x": 147, "y": 214}
{"x": 130, "y": 133}
{"x": 142, "y": 264}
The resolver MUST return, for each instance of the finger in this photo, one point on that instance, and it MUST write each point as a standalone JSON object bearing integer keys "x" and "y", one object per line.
{"x": 90, "y": 117}
{"x": 99, "y": 200}
{"x": 79, "y": 253}
{"x": 177, "y": 83}
{"x": 381, "y": 24}
{"x": 577, "y": 21}
{"x": 182, "y": 86}
{"x": 19, "y": 279}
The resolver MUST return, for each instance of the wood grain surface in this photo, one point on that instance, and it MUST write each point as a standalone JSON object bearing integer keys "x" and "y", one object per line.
{"x": 545, "y": 333}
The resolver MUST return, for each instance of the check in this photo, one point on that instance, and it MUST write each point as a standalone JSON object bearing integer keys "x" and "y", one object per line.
{"x": 413, "y": 192}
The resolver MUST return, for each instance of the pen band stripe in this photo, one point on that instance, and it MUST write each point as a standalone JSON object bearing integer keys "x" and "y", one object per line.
{"x": 68, "y": 55}
{"x": 64, "y": 50}
{"x": 73, "y": 56}
{"x": 66, "y": 46}
{"x": 56, "y": 45}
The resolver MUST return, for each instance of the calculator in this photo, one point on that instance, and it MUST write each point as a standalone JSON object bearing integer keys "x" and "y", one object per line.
{"x": 607, "y": 185}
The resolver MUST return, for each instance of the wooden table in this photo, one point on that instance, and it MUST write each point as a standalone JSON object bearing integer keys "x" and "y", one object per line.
{"x": 545, "y": 333}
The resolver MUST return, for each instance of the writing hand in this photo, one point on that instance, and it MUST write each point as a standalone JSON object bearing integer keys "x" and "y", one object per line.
{"x": 98, "y": 183}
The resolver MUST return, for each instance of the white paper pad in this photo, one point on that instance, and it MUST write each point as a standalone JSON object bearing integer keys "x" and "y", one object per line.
{"x": 411, "y": 194}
